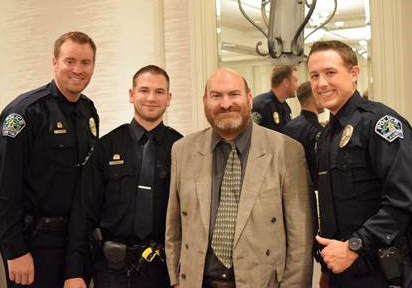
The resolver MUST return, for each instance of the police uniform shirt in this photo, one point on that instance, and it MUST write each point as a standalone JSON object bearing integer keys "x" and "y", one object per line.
{"x": 269, "y": 112}
{"x": 109, "y": 189}
{"x": 214, "y": 269}
{"x": 306, "y": 129}
{"x": 45, "y": 138}
{"x": 370, "y": 173}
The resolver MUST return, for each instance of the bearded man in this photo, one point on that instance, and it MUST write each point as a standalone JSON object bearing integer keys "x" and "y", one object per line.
{"x": 239, "y": 211}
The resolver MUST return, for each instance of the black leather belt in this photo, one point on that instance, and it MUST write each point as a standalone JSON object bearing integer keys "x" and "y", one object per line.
{"x": 47, "y": 224}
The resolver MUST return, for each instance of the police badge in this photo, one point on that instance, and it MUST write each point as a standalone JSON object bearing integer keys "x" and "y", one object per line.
{"x": 92, "y": 126}
{"x": 389, "y": 128}
{"x": 276, "y": 117}
{"x": 256, "y": 117}
{"x": 346, "y": 135}
{"x": 13, "y": 125}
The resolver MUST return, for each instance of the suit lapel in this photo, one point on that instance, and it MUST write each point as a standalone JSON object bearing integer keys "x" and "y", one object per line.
{"x": 202, "y": 160}
{"x": 256, "y": 166}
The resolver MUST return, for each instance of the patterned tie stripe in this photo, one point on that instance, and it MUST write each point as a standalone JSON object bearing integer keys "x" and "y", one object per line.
{"x": 224, "y": 230}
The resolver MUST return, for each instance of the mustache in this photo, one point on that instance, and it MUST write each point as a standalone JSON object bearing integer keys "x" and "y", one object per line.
{"x": 230, "y": 109}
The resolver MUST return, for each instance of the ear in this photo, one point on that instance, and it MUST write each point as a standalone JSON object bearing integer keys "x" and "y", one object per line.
{"x": 54, "y": 63}
{"x": 131, "y": 95}
{"x": 354, "y": 71}
{"x": 169, "y": 98}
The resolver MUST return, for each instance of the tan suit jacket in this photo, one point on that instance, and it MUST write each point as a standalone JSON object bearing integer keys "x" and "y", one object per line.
{"x": 275, "y": 224}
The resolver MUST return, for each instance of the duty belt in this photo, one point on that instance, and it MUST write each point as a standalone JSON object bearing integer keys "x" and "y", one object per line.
{"x": 46, "y": 224}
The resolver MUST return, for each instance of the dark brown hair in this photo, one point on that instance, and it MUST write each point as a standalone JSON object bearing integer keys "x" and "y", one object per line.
{"x": 345, "y": 51}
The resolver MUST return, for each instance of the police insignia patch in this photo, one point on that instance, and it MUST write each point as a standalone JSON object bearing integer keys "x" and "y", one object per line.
{"x": 256, "y": 117}
{"x": 13, "y": 125}
{"x": 389, "y": 128}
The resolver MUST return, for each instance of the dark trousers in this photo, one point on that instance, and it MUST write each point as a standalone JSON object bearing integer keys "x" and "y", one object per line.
{"x": 152, "y": 275}
{"x": 48, "y": 268}
{"x": 48, "y": 250}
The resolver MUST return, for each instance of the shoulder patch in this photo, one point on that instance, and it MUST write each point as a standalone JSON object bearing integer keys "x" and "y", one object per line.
{"x": 256, "y": 117}
{"x": 13, "y": 125}
{"x": 389, "y": 128}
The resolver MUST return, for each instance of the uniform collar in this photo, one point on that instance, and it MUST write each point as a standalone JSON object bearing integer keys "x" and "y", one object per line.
{"x": 309, "y": 115}
{"x": 345, "y": 113}
{"x": 241, "y": 142}
{"x": 138, "y": 131}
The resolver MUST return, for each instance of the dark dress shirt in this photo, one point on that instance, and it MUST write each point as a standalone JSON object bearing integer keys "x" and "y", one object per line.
{"x": 214, "y": 269}
{"x": 109, "y": 187}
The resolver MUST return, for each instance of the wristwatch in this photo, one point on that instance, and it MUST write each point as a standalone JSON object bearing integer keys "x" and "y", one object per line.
{"x": 355, "y": 245}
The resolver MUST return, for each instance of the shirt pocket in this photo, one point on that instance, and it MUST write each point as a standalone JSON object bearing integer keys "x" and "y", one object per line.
{"x": 61, "y": 152}
{"x": 121, "y": 182}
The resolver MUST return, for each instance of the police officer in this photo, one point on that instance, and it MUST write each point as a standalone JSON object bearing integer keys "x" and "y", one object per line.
{"x": 125, "y": 190}
{"x": 365, "y": 183}
{"x": 306, "y": 128}
{"x": 270, "y": 109}
{"x": 47, "y": 134}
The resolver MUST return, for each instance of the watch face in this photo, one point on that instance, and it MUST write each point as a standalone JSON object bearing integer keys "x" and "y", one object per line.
{"x": 355, "y": 244}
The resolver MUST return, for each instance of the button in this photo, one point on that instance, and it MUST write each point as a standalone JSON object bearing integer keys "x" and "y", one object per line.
{"x": 273, "y": 220}
{"x": 268, "y": 252}
{"x": 183, "y": 276}
{"x": 224, "y": 275}
{"x": 184, "y": 213}
{"x": 187, "y": 246}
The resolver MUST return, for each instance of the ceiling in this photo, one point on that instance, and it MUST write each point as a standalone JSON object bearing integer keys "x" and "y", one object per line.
{"x": 239, "y": 37}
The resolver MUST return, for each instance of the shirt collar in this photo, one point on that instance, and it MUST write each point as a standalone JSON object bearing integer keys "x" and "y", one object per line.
{"x": 344, "y": 114}
{"x": 241, "y": 142}
{"x": 138, "y": 131}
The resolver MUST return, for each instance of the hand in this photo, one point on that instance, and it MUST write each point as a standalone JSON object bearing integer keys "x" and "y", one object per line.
{"x": 336, "y": 254}
{"x": 75, "y": 283}
{"x": 21, "y": 269}
{"x": 324, "y": 280}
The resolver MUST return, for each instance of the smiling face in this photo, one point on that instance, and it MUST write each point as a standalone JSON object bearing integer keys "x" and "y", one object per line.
{"x": 151, "y": 97}
{"x": 332, "y": 82}
{"x": 227, "y": 104}
{"x": 73, "y": 68}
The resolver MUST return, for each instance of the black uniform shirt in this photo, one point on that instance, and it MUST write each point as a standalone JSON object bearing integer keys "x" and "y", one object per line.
{"x": 269, "y": 112}
{"x": 369, "y": 173}
{"x": 44, "y": 140}
{"x": 107, "y": 195}
{"x": 306, "y": 129}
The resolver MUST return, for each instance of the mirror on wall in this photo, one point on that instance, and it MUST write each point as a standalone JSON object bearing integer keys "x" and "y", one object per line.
{"x": 238, "y": 38}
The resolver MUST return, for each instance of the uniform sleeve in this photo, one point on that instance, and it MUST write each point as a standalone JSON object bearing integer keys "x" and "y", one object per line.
{"x": 14, "y": 150}
{"x": 392, "y": 161}
{"x": 85, "y": 214}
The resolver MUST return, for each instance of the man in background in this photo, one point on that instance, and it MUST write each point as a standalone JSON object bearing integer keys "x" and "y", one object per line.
{"x": 306, "y": 128}
{"x": 270, "y": 109}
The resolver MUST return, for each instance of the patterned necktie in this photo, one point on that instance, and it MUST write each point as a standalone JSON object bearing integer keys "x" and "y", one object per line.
{"x": 143, "y": 223}
{"x": 224, "y": 230}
